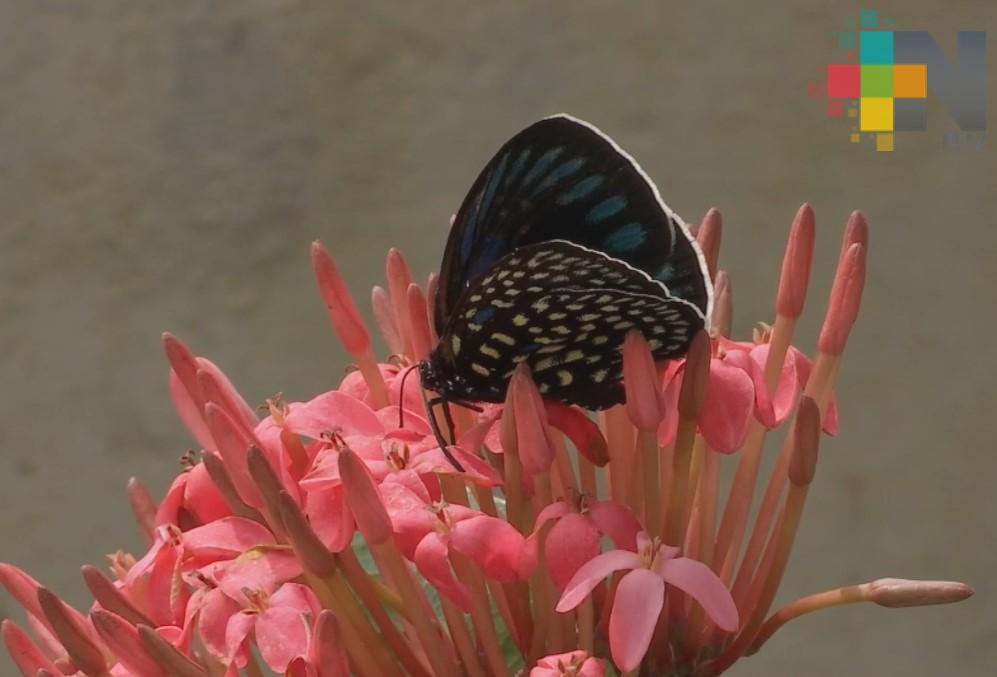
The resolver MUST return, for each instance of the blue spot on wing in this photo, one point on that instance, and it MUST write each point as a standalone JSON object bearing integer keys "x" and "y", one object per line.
{"x": 625, "y": 238}
{"x": 605, "y": 209}
{"x": 581, "y": 189}
{"x": 481, "y": 209}
{"x": 541, "y": 165}
{"x": 483, "y": 315}
{"x": 666, "y": 273}
{"x": 517, "y": 166}
{"x": 562, "y": 171}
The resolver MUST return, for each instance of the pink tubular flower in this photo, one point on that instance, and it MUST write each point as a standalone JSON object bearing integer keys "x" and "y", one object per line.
{"x": 426, "y": 533}
{"x": 641, "y": 594}
{"x": 570, "y": 664}
{"x": 574, "y": 538}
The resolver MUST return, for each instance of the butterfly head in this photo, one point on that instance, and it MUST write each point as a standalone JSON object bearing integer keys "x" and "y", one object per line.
{"x": 433, "y": 376}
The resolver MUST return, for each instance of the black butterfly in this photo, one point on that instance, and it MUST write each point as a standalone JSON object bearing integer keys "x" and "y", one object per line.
{"x": 562, "y": 245}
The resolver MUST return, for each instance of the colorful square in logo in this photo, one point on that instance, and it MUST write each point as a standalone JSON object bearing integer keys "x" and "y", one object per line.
{"x": 910, "y": 81}
{"x": 876, "y": 47}
{"x": 876, "y": 114}
{"x": 843, "y": 81}
{"x": 877, "y": 80}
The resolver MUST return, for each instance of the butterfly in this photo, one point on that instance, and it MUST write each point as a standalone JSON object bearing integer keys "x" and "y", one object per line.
{"x": 561, "y": 247}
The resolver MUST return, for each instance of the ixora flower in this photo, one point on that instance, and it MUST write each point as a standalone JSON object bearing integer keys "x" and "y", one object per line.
{"x": 342, "y": 535}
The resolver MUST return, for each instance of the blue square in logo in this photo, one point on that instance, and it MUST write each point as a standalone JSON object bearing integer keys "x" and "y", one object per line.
{"x": 876, "y": 47}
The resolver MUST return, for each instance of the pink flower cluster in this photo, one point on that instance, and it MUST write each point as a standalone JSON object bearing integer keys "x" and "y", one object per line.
{"x": 335, "y": 537}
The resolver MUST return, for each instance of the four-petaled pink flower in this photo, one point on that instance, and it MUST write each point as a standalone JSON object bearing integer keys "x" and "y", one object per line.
{"x": 574, "y": 538}
{"x": 641, "y": 594}
{"x": 571, "y": 664}
{"x": 427, "y": 532}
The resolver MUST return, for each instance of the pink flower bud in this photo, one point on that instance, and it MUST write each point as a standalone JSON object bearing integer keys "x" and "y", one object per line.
{"x": 529, "y": 421}
{"x": 326, "y": 648}
{"x": 583, "y": 432}
{"x": 364, "y": 499}
{"x": 72, "y": 631}
{"x": 856, "y": 232}
{"x": 399, "y": 278}
{"x": 109, "y": 596}
{"x": 898, "y": 592}
{"x": 143, "y": 507}
{"x": 843, "y": 307}
{"x": 123, "y": 640}
{"x": 708, "y": 237}
{"x": 346, "y": 320}
{"x": 28, "y": 658}
{"x": 723, "y": 306}
{"x": 806, "y": 438}
{"x": 167, "y": 655}
{"x": 384, "y": 316}
{"x": 696, "y": 377}
{"x": 418, "y": 322}
{"x": 796, "y": 264}
{"x": 645, "y": 401}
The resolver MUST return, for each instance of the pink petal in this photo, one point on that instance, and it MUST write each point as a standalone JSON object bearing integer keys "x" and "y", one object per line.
{"x": 787, "y": 388}
{"x": 237, "y": 631}
{"x": 494, "y": 544}
{"x": 282, "y": 633}
{"x": 333, "y": 411}
{"x": 639, "y": 597}
{"x": 190, "y": 412}
{"x": 433, "y": 563}
{"x": 329, "y": 517}
{"x": 257, "y": 569}
{"x": 592, "y": 573}
{"x": 201, "y": 496}
{"x": 699, "y": 582}
{"x": 730, "y": 399}
{"x": 224, "y": 539}
{"x": 616, "y": 521}
{"x": 570, "y": 543}
{"x": 764, "y": 410}
{"x": 216, "y": 610}
{"x": 670, "y": 423}
{"x": 583, "y": 432}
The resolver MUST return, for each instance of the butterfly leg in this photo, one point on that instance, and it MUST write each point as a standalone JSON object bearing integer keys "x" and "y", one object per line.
{"x": 444, "y": 445}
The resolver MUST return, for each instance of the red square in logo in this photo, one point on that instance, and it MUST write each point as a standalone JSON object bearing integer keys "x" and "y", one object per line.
{"x": 843, "y": 81}
{"x": 835, "y": 108}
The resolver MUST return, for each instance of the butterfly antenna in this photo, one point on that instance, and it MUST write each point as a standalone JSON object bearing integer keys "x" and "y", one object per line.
{"x": 444, "y": 445}
{"x": 401, "y": 396}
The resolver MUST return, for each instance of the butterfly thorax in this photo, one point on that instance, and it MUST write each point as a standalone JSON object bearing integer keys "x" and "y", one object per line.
{"x": 435, "y": 376}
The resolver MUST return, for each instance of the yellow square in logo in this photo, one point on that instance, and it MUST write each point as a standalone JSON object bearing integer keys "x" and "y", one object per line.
{"x": 856, "y": 137}
{"x": 884, "y": 142}
{"x": 876, "y": 114}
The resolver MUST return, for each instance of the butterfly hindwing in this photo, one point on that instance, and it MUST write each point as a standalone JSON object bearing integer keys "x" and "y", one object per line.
{"x": 562, "y": 179}
{"x": 565, "y": 310}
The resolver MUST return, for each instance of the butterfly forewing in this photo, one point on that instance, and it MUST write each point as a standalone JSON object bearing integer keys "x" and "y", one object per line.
{"x": 564, "y": 309}
{"x": 561, "y": 179}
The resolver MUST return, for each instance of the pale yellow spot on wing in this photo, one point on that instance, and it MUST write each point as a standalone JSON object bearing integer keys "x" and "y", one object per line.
{"x": 455, "y": 343}
{"x": 520, "y": 320}
{"x": 484, "y": 371}
{"x": 565, "y": 377}
{"x": 489, "y": 351}
{"x": 600, "y": 375}
{"x": 504, "y": 338}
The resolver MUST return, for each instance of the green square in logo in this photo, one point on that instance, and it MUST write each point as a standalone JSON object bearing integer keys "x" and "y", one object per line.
{"x": 877, "y": 81}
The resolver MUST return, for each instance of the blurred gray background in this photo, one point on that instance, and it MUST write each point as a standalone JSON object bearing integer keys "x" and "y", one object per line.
{"x": 165, "y": 166}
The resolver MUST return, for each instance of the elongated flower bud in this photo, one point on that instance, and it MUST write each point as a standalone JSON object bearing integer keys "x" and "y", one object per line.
{"x": 306, "y": 543}
{"x": 697, "y": 376}
{"x": 723, "y": 304}
{"x": 364, "y": 499}
{"x": 846, "y": 295}
{"x": 399, "y": 278}
{"x": 708, "y": 237}
{"x": 384, "y": 316}
{"x": 167, "y": 655}
{"x": 899, "y": 592}
{"x": 143, "y": 507}
{"x": 796, "y": 264}
{"x": 803, "y": 462}
{"x": 645, "y": 400}
{"x": 123, "y": 640}
{"x": 418, "y": 322}
{"x": 72, "y": 632}
{"x": 346, "y": 319}
{"x": 110, "y": 597}
{"x": 524, "y": 403}
{"x": 28, "y": 658}
{"x": 327, "y": 647}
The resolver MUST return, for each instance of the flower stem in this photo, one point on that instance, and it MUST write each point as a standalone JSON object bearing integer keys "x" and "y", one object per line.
{"x": 647, "y": 442}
